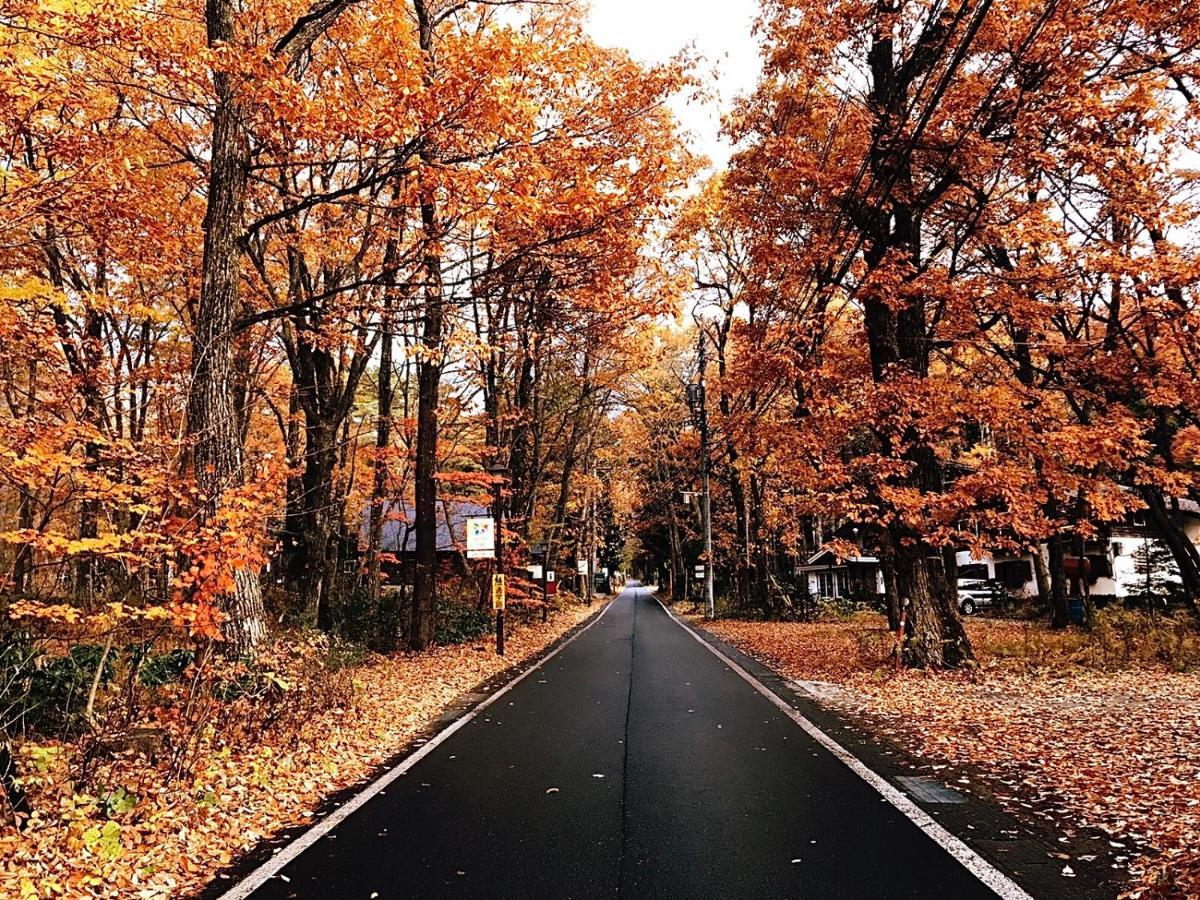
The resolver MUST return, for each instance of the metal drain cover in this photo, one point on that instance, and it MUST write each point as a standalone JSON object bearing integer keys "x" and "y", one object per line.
{"x": 927, "y": 790}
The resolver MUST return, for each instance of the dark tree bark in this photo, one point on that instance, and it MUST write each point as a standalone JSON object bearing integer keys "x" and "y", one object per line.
{"x": 23, "y": 564}
{"x": 896, "y": 336}
{"x": 212, "y": 418}
{"x": 429, "y": 380}
{"x": 1060, "y": 613}
{"x": 388, "y": 614}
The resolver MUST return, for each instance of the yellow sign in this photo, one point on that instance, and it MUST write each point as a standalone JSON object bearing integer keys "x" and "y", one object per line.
{"x": 498, "y": 592}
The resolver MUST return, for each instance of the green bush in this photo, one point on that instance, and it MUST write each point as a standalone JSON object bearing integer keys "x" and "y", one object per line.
{"x": 46, "y": 693}
{"x": 158, "y": 669}
{"x": 458, "y": 623}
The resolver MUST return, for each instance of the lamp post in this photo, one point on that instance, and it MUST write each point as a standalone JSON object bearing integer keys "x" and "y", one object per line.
{"x": 499, "y": 473}
{"x": 695, "y": 399}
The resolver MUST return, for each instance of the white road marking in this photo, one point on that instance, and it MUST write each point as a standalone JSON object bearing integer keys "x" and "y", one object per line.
{"x": 283, "y": 857}
{"x": 988, "y": 874}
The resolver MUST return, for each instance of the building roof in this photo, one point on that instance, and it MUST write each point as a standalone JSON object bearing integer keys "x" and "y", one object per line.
{"x": 816, "y": 559}
{"x": 399, "y": 532}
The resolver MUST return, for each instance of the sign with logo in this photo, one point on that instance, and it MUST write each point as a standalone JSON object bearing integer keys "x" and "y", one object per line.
{"x": 481, "y": 537}
{"x": 550, "y": 577}
{"x": 581, "y": 567}
{"x": 498, "y": 592}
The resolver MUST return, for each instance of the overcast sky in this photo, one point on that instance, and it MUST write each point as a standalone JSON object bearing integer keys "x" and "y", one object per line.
{"x": 655, "y": 30}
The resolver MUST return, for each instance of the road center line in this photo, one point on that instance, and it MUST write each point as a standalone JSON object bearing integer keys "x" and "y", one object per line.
{"x": 978, "y": 866}
{"x": 318, "y": 830}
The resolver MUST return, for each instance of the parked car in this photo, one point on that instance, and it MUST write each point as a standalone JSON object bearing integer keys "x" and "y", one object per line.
{"x": 975, "y": 594}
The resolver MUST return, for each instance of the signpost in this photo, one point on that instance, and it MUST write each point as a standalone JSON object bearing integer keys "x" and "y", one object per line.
{"x": 499, "y": 474}
{"x": 481, "y": 537}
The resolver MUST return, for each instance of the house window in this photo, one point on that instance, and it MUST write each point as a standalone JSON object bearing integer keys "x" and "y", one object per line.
{"x": 974, "y": 571}
{"x": 831, "y": 583}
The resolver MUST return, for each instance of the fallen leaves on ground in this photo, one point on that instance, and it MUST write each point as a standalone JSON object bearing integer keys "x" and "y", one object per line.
{"x": 1117, "y": 750}
{"x": 180, "y": 833}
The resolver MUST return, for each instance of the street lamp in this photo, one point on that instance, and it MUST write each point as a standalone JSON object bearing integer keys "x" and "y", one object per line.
{"x": 499, "y": 473}
{"x": 695, "y": 401}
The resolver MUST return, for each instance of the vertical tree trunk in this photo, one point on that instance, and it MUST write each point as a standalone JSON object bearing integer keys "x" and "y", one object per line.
{"x": 23, "y": 565}
{"x": 737, "y": 488}
{"x": 212, "y": 418}
{"x": 388, "y": 614}
{"x": 896, "y": 336}
{"x": 936, "y": 637}
{"x": 1060, "y": 615}
{"x": 1041, "y": 574}
{"x": 429, "y": 379}
{"x": 759, "y": 595}
{"x": 86, "y": 569}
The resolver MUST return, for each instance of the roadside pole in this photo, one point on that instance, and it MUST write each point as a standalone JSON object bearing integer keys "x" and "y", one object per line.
{"x": 700, "y": 413}
{"x": 591, "y": 537}
{"x": 499, "y": 588}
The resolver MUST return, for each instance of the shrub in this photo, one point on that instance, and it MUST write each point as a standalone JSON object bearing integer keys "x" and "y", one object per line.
{"x": 459, "y": 623}
{"x": 47, "y": 693}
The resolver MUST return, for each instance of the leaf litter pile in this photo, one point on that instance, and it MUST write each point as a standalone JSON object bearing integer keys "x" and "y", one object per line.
{"x": 1090, "y": 730}
{"x": 138, "y": 832}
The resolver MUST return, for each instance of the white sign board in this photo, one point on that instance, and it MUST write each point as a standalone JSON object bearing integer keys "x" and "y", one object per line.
{"x": 549, "y": 577}
{"x": 535, "y": 573}
{"x": 581, "y": 567}
{"x": 481, "y": 537}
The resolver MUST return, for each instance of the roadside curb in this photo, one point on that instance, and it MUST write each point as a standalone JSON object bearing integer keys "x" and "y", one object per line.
{"x": 229, "y": 881}
{"x": 1021, "y": 850}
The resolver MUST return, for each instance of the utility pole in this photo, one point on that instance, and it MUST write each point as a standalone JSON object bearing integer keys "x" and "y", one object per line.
{"x": 700, "y": 416}
{"x": 499, "y": 472}
{"x": 591, "y": 536}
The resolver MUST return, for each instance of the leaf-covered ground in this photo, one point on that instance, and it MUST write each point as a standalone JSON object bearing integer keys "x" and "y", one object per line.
{"x": 147, "y": 837}
{"x": 1094, "y": 730}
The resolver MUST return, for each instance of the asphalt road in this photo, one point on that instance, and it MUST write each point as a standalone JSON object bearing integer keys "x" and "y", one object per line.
{"x": 632, "y": 764}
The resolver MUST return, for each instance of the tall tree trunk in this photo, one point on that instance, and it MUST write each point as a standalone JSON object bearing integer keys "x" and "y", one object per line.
{"x": 212, "y": 419}
{"x": 935, "y": 636}
{"x": 737, "y": 487}
{"x": 388, "y": 614}
{"x": 23, "y": 565}
{"x": 429, "y": 379}
{"x": 896, "y": 337}
{"x": 87, "y": 569}
{"x": 1041, "y": 574}
{"x": 759, "y": 595}
{"x": 1060, "y": 613}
